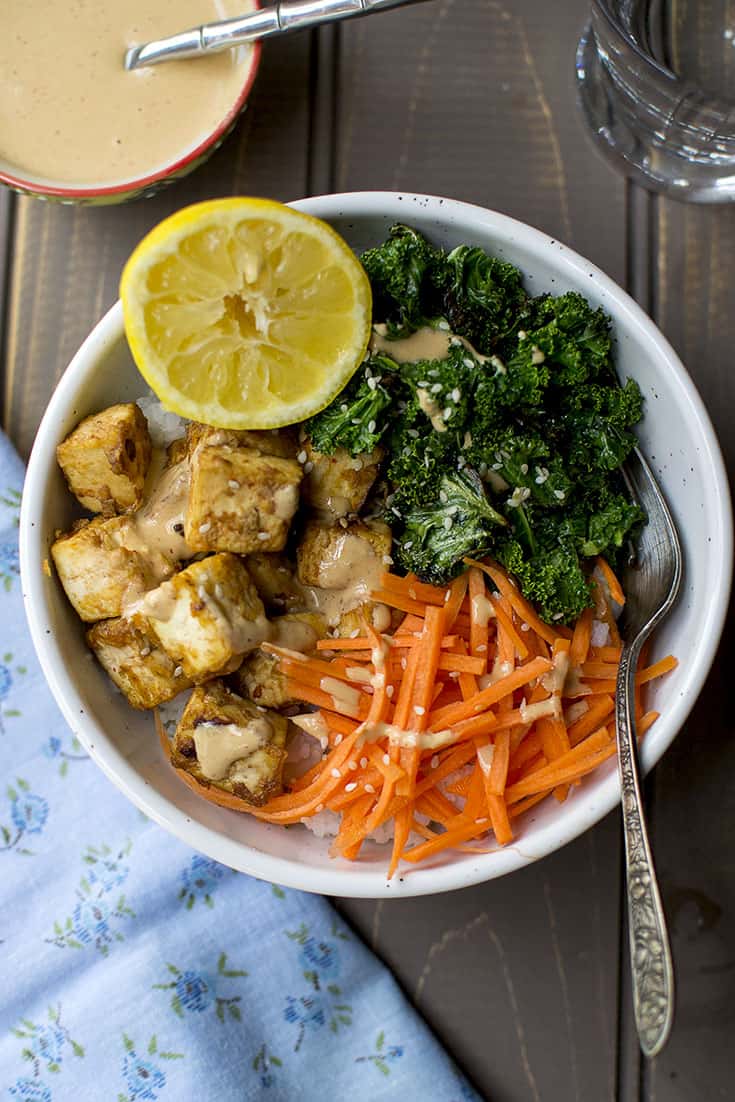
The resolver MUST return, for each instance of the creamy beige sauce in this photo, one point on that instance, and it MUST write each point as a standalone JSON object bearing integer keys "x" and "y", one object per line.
{"x": 347, "y": 576}
{"x": 409, "y": 740}
{"x": 294, "y": 635}
{"x": 432, "y": 409}
{"x": 220, "y": 745}
{"x": 554, "y": 680}
{"x": 543, "y": 709}
{"x": 425, "y": 344}
{"x": 345, "y": 697}
{"x": 70, "y": 113}
{"x": 159, "y": 523}
{"x": 483, "y": 610}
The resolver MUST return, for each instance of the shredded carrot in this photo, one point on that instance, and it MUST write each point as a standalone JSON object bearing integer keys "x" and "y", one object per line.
{"x": 470, "y": 696}
{"x": 613, "y": 585}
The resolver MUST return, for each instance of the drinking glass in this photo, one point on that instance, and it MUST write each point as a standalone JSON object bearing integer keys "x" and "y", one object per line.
{"x": 656, "y": 85}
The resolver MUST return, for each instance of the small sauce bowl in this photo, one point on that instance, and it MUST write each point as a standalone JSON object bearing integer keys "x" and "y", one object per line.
{"x": 142, "y": 186}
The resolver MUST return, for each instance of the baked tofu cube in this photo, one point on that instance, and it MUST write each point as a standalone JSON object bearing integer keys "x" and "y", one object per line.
{"x": 352, "y": 622}
{"x": 230, "y": 743}
{"x": 260, "y": 677}
{"x": 275, "y": 580}
{"x": 240, "y": 500}
{"x": 343, "y": 556}
{"x": 102, "y": 566}
{"x": 338, "y": 484}
{"x": 105, "y": 460}
{"x": 206, "y": 617}
{"x": 279, "y": 442}
{"x": 136, "y": 663}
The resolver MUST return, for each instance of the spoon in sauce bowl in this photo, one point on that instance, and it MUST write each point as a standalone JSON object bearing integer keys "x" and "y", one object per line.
{"x": 281, "y": 18}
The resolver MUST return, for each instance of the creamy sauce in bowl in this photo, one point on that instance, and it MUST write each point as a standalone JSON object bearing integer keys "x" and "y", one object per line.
{"x": 70, "y": 114}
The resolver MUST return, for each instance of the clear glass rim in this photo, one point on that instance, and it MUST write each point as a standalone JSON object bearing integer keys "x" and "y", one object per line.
{"x": 603, "y": 8}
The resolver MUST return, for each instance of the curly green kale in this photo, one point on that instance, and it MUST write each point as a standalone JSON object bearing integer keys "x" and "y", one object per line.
{"x": 481, "y": 297}
{"x": 358, "y": 417}
{"x": 436, "y": 536}
{"x": 400, "y": 276}
{"x": 511, "y": 445}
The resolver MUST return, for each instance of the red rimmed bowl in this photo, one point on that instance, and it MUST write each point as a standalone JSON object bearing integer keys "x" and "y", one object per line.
{"x": 147, "y": 184}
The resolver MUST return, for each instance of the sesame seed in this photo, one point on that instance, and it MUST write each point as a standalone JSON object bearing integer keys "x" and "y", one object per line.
{"x": 363, "y": 763}
{"x": 435, "y": 761}
{"x": 483, "y": 820}
{"x": 344, "y": 407}
{"x": 447, "y": 413}
{"x": 448, "y": 522}
{"x": 386, "y": 759}
{"x": 559, "y": 495}
{"x": 352, "y": 766}
{"x": 525, "y": 627}
{"x": 443, "y": 497}
{"x": 308, "y": 467}
{"x": 390, "y": 690}
{"x": 323, "y": 741}
{"x": 408, "y": 544}
{"x": 387, "y": 560}
{"x": 233, "y": 484}
{"x": 343, "y": 522}
{"x": 435, "y": 388}
{"x": 302, "y": 456}
{"x": 454, "y": 674}
{"x": 369, "y": 788}
{"x": 354, "y": 633}
{"x": 413, "y": 433}
{"x": 336, "y": 773}
{"x": 372, "y": 383}
{"x": 456, "y": 394}
{"x": 202, "y": 593}
{"x": 144, "y": 651}
{"x": 337, "y": 739}
{"x": 522, "y": 335}
{"x": 443, "y": 325}
{"x": 351, "y": 786}
{"x": 481, "y": 649}
{"x": 371, "y": 426}
{"x": 468, "y": 362}
{"x": 262, "y": 536}
{"x": 404, "y": 663}
{"x": 419, "y": 710}
{"x": 524, "y": 468}
{"x": 205, "y": 527}
{"x": 178, "y": 671}
{"x": 424, "y": 383}
{"x": 219, "y": 591}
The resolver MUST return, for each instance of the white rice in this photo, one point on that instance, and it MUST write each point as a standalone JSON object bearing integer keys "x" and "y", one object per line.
{"x": 600, "y": 634}
{"x": 172, "y": 712}
{"x": 164, "y": 426}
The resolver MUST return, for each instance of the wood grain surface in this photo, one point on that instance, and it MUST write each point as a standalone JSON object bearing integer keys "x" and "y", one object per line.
{"x": 524, "y": 978}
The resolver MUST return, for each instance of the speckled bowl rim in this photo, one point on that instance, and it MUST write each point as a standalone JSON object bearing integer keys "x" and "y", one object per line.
{"x": 575, "y": 817}
{"x": 142, "y": 184}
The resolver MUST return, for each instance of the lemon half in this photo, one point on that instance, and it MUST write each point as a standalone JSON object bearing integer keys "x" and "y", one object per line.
{"x": 244, "y": 313}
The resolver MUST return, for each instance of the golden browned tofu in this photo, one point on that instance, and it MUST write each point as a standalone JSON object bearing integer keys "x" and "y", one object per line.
{"x": 343, "y": 556}
{"x": 260, "y": 678}
{"x": 338, "y": 484}
{"x": 279, "y": 442}
{"x": 206, "y": 617}
{"x": 105, "y": 459}
{"x": 136, "y": 663}
{"x": 240, "y": 500}
{"x": 177, "y": 451}
{"x": 353, "y": 621}
{"x": 275, "y": 580}
{"x": 103, "y": 566}
{"x": 230, "y": 743}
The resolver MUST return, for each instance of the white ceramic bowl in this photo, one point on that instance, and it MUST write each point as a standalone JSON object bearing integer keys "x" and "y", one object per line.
{"x": 676, "y": 435}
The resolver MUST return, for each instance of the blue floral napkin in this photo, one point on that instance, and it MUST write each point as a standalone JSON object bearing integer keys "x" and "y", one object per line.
{"x": 135, "y": 969}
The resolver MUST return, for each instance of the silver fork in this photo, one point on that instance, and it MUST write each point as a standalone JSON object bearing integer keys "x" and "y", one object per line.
{"x": 651, "y": 583}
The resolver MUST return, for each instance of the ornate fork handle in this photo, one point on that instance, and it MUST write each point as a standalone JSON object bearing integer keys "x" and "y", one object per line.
{"x": 650, "y": 955}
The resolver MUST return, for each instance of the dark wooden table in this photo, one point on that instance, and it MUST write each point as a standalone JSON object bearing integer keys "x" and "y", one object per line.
{"x": 525, "y": 978}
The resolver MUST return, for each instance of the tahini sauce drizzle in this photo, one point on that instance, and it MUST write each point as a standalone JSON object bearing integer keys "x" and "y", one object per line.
{"x": 220, "y": 745}
{"x": 70, "y": 113}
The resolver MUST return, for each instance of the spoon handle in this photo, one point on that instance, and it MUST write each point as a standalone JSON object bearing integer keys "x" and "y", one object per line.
{"x": 278, "y": 18}
{"x": 650, "y": 954}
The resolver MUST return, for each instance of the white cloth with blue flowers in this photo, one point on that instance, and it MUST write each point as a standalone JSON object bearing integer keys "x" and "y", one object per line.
{"x": 134, "y": 969}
